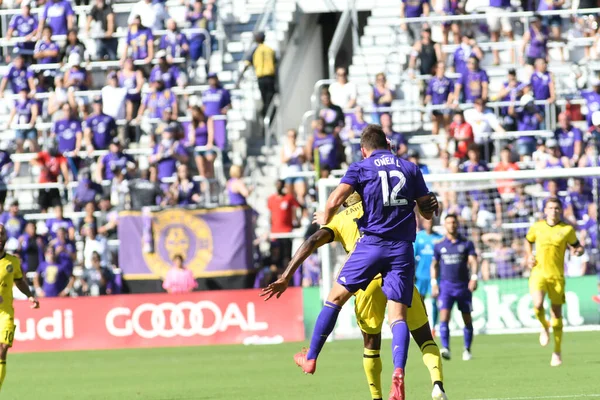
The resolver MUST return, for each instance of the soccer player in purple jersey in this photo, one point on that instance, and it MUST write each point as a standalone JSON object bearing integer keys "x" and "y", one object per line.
{"x": 389, "y": 187}
{"x": 455, "y": 263}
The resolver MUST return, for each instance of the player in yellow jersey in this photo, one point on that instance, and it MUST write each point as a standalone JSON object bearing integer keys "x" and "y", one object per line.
{"x": 369, "y": 304}
{"x": 551, "y": 238}
{"x": 10, "y": 272}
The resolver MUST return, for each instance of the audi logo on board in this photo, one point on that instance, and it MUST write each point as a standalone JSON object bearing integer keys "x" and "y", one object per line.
{"x": 184, "y": 319}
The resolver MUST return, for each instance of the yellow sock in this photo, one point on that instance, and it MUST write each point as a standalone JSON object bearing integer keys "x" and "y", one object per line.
{"x": 2, "y": 372}
{"x": 372, "y": 366}
{"x": 541, "y": 316}
{"x": 432, "y": 360}
{"x": 557, "y": 332}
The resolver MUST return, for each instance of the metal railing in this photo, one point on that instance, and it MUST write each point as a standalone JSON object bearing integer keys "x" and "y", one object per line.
{"x": 272, "y": 121}
{"x": 549, "y": 112}
{"x": 338, "y": 37}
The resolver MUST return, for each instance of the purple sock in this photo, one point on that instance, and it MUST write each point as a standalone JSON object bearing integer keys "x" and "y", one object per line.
{"x": 445, "y": 334}
{"x": 323, "y": 328}
{"x": 400, "y": 341}
{"x": 468, "y": 332}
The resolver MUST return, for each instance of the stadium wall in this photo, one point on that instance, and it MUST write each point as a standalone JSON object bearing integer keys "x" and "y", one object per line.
{"x": 499, "y": 307}
{"x": 158, "y": 320}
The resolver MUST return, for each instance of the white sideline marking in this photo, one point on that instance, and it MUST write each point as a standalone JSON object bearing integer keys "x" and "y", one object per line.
{"x": 572, "y": 396}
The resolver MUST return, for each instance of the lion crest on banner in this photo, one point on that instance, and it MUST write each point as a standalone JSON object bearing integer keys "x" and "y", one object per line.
{"x": 179, "y": 232}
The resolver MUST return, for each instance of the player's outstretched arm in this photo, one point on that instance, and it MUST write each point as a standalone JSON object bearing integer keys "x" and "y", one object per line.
{"x": 334, "y": 202}
{"x": 23, "y": 286}
{"x": 316, "y": 240}
{"x": 428, "y": 205}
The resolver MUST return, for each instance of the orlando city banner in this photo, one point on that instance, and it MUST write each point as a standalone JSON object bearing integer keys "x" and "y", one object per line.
{"x": 499, "y": 306}
{"x": 214, "y": 242}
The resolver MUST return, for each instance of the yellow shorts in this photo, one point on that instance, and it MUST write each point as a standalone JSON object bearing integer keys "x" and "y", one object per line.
{"x": 555, "y": 287}
{"x": 7, "y": 329}
{"x": 369, "y": 306}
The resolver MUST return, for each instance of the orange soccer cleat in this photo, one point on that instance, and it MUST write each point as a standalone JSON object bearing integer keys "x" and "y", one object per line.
{"x": 308, "y": 366}
{"x": 397, "y": 390}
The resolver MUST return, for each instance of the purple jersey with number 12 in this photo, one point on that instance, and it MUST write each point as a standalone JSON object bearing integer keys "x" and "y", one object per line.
{"x": 389, "y": 187}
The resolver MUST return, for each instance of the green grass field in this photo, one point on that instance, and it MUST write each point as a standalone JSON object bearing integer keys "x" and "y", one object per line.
{"x": 503, "y": 367}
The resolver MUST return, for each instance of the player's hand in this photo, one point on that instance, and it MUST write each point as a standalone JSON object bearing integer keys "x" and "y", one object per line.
{"x": 34, "y": 302}
{"x": 275, "y": 289}
{"x": 435, "y": 291}
{"x": 472, "y": 285}
{"x": 431, "y": 205}
{"x": 319, "y": 218}
{"x": 531, "y": 262}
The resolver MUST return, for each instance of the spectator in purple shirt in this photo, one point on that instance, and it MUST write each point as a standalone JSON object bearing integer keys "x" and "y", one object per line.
{"x": 440, "y": 92}
{"x": 174, "y": 43}
{"x": 542, "y": 83}
{"x": 114, "y": 160}
{"x": 592, "y": 99}
{"x": 201, "y": 133}
{"x": 196, "y": 19}
{"x": 87, "y": 191}
{"x": 413, "y": 9}
{"x": 24, "y": 26}
{"x": 472, "y": 84}
{"x": 58, "y": 15}
{"x": 19, "y": 76}
{"x": 157, "y": 100}
{"x": 382, "y": 95}
{"x": 140, "y": 41}
{"x": 468, "y": 48}
{"x": 577, "y": 201}
{"x": 569, "y": 139}
{"x": 12, "y": 221}
{"x": 46, "y": 51}
{"x": 54, "y": 276}
{"x": 68, "y": 131}
{"x": 166, "y": 155}
{"x": 165, "y": 71}
{"x": 528, "y": 119}
{"x": 64, "y": 249}
{"x": 216, "y": 100}
{"x": 537, "y": 38}
{"x": 99, "y": 129}
{"x": 59, "y": 221}
{"x": 24, "y": 113}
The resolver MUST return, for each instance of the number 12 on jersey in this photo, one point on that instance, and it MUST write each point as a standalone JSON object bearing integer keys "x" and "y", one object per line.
{"x": 392, "y": 199}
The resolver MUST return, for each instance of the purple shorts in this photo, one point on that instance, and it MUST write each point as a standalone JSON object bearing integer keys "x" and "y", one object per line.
{"x": 372, "y": 255}
{"x": 451, "y": 292}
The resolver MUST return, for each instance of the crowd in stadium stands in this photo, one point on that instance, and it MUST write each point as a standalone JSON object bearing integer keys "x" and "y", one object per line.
{"x": 456, "y": 80}
{"x": 47, "y": 57}
{"x": 50, "y": 59}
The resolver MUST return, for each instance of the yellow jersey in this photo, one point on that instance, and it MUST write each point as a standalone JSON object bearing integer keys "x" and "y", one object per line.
{"x": 263, "y": 61}
{"x": 10, "y": 270}
{"x": 344, "y": 228}
{"x": 550, "y": 246}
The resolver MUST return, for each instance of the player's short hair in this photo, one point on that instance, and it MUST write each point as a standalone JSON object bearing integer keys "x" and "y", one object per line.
{"x": 373, "y": 138}
{"x": 451, "y": 216}
{"x": 352, "y": 200}
{"x": 554, "y": 200}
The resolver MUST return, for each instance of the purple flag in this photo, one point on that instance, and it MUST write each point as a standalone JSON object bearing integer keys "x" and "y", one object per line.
{"x": 215, "y": 242}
